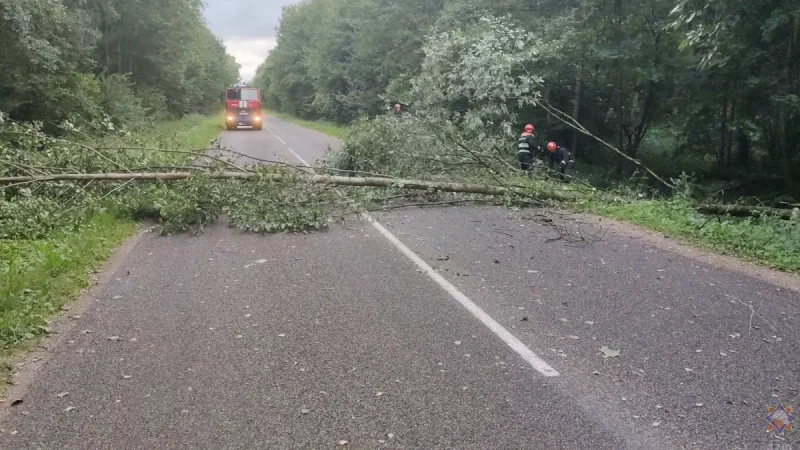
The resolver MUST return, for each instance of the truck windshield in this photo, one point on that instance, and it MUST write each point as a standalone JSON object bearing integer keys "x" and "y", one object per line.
{"x": 250, "y": 95}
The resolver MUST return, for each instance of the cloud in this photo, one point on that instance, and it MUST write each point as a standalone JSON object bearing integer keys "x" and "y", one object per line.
{"x": 247, "y": 27}
{"x": 249, "y": 52}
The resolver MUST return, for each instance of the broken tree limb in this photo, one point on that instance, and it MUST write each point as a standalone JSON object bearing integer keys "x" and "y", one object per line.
{"x": 573, "y": 123}
{"x": 744, "y": 211}
{"x": 467, "y": 188}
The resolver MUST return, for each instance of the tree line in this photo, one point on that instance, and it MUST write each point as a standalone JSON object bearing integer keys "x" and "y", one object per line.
{"x": 119, "y": 58}
{"x": 706, "y": 87}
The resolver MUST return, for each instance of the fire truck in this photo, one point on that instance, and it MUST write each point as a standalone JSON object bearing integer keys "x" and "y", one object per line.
{"x": 243, "y": 108}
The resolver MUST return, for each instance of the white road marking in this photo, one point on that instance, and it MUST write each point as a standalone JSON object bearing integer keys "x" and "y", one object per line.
{"x": 522, "y": 350}
{"x": 298, "y": 157}
{"x": 278, "y": 137}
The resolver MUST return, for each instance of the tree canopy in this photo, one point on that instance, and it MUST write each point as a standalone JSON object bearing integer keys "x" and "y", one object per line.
{"x": 708, "y": 87}
{"x": 122, "y": 58}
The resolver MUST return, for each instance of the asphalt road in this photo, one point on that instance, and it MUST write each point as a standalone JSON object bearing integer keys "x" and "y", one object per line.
{"x": 450, "y": 328}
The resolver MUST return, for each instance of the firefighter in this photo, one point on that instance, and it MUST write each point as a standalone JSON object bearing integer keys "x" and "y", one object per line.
{"x": 560, "y": 160}
{"x": 526, "y": 146}
{"x": 398, "y": 108}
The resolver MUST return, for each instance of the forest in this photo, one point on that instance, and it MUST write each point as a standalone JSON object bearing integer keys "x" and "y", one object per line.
{"x": 128, "y": 60}
{"x": 707, "y": 90}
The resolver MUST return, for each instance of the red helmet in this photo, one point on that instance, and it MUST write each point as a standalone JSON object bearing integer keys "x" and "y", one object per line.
{"x": 552, "y": 147}
{"x": 529, "y": 128}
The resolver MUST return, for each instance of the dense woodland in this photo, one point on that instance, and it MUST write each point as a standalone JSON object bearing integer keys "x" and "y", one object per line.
{"x": 125, "y": 59}
{"x": 706, "y": 87}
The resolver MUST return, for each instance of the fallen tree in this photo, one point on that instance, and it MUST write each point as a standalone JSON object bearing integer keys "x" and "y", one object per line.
{"x": 744, "y": 211}
{"x": 466, "y": 188}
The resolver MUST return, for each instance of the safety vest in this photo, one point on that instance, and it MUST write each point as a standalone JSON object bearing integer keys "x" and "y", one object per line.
{"x": 524, "y": 145}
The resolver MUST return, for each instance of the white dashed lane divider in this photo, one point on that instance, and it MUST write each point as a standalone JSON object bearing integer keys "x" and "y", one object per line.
{"x": 515, "y": 344}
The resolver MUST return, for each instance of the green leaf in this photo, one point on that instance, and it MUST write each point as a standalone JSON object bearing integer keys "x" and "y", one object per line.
{"x": 609, "y": 352}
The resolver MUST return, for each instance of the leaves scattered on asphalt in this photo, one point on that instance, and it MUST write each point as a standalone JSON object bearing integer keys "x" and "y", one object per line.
{"x": 305, "y": 411}
{"x": 609, "y": 352}
{"x": 62, "y": 394}
{"x": 69, "y": 408}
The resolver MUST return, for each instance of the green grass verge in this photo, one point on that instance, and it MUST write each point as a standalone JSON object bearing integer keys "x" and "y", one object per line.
{"x": 771, "y": 242}
{"x": 38, "y": 277}
{"x": 329, "y": 128}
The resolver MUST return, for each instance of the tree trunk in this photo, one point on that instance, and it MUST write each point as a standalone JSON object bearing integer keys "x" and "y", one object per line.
{"x": 547, "y": 100}
{"x": 723, "y": 132}
{"x": 576, "y": 109}
{"x": 744, "y": 211}
{"x": 729, "y": 136}
{"x": 467, "y": 188}
{"x": 743, "y": 152}
{"x": 105, "y": 38}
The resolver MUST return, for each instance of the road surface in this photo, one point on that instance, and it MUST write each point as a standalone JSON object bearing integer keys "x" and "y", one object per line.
{"x": 449, "y": 328}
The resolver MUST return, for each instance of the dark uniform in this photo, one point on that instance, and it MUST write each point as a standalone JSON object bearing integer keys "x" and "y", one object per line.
{"x": 561, "y": 161}
{"x": 526, "y": 146}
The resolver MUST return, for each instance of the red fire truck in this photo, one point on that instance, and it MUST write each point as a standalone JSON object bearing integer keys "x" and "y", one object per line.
{"x": 243, "y": 108}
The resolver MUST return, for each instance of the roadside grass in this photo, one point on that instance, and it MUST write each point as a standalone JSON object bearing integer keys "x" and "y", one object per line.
{"x": 325, "y": 127}
{"x": 39, "y": 277}
{"x": 769, "y": 241}
{"x": 193, "y": 132}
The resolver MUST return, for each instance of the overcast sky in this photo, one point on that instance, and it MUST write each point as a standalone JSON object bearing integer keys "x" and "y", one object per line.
{"x": 247, "y": 27}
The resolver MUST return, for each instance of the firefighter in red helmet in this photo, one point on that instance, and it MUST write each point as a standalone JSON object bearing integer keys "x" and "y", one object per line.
{"x": 560, "y": 159}
{"x": 526, "y": 146}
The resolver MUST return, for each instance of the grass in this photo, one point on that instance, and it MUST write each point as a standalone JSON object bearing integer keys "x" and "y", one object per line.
{"x": 325, "y": 127}
{"x": 193, "y": 132}
{"x": 38, "y": 277}
{"x": 771, "y": 242}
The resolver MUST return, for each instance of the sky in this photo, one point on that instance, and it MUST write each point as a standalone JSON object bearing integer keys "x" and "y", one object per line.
{"x": 247, "y": 27}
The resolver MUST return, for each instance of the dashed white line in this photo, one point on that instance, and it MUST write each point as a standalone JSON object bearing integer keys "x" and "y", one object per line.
{"x": 277, "y": 137}
{"x": 515, "y": 344}
{"x": 298, "y": 157}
